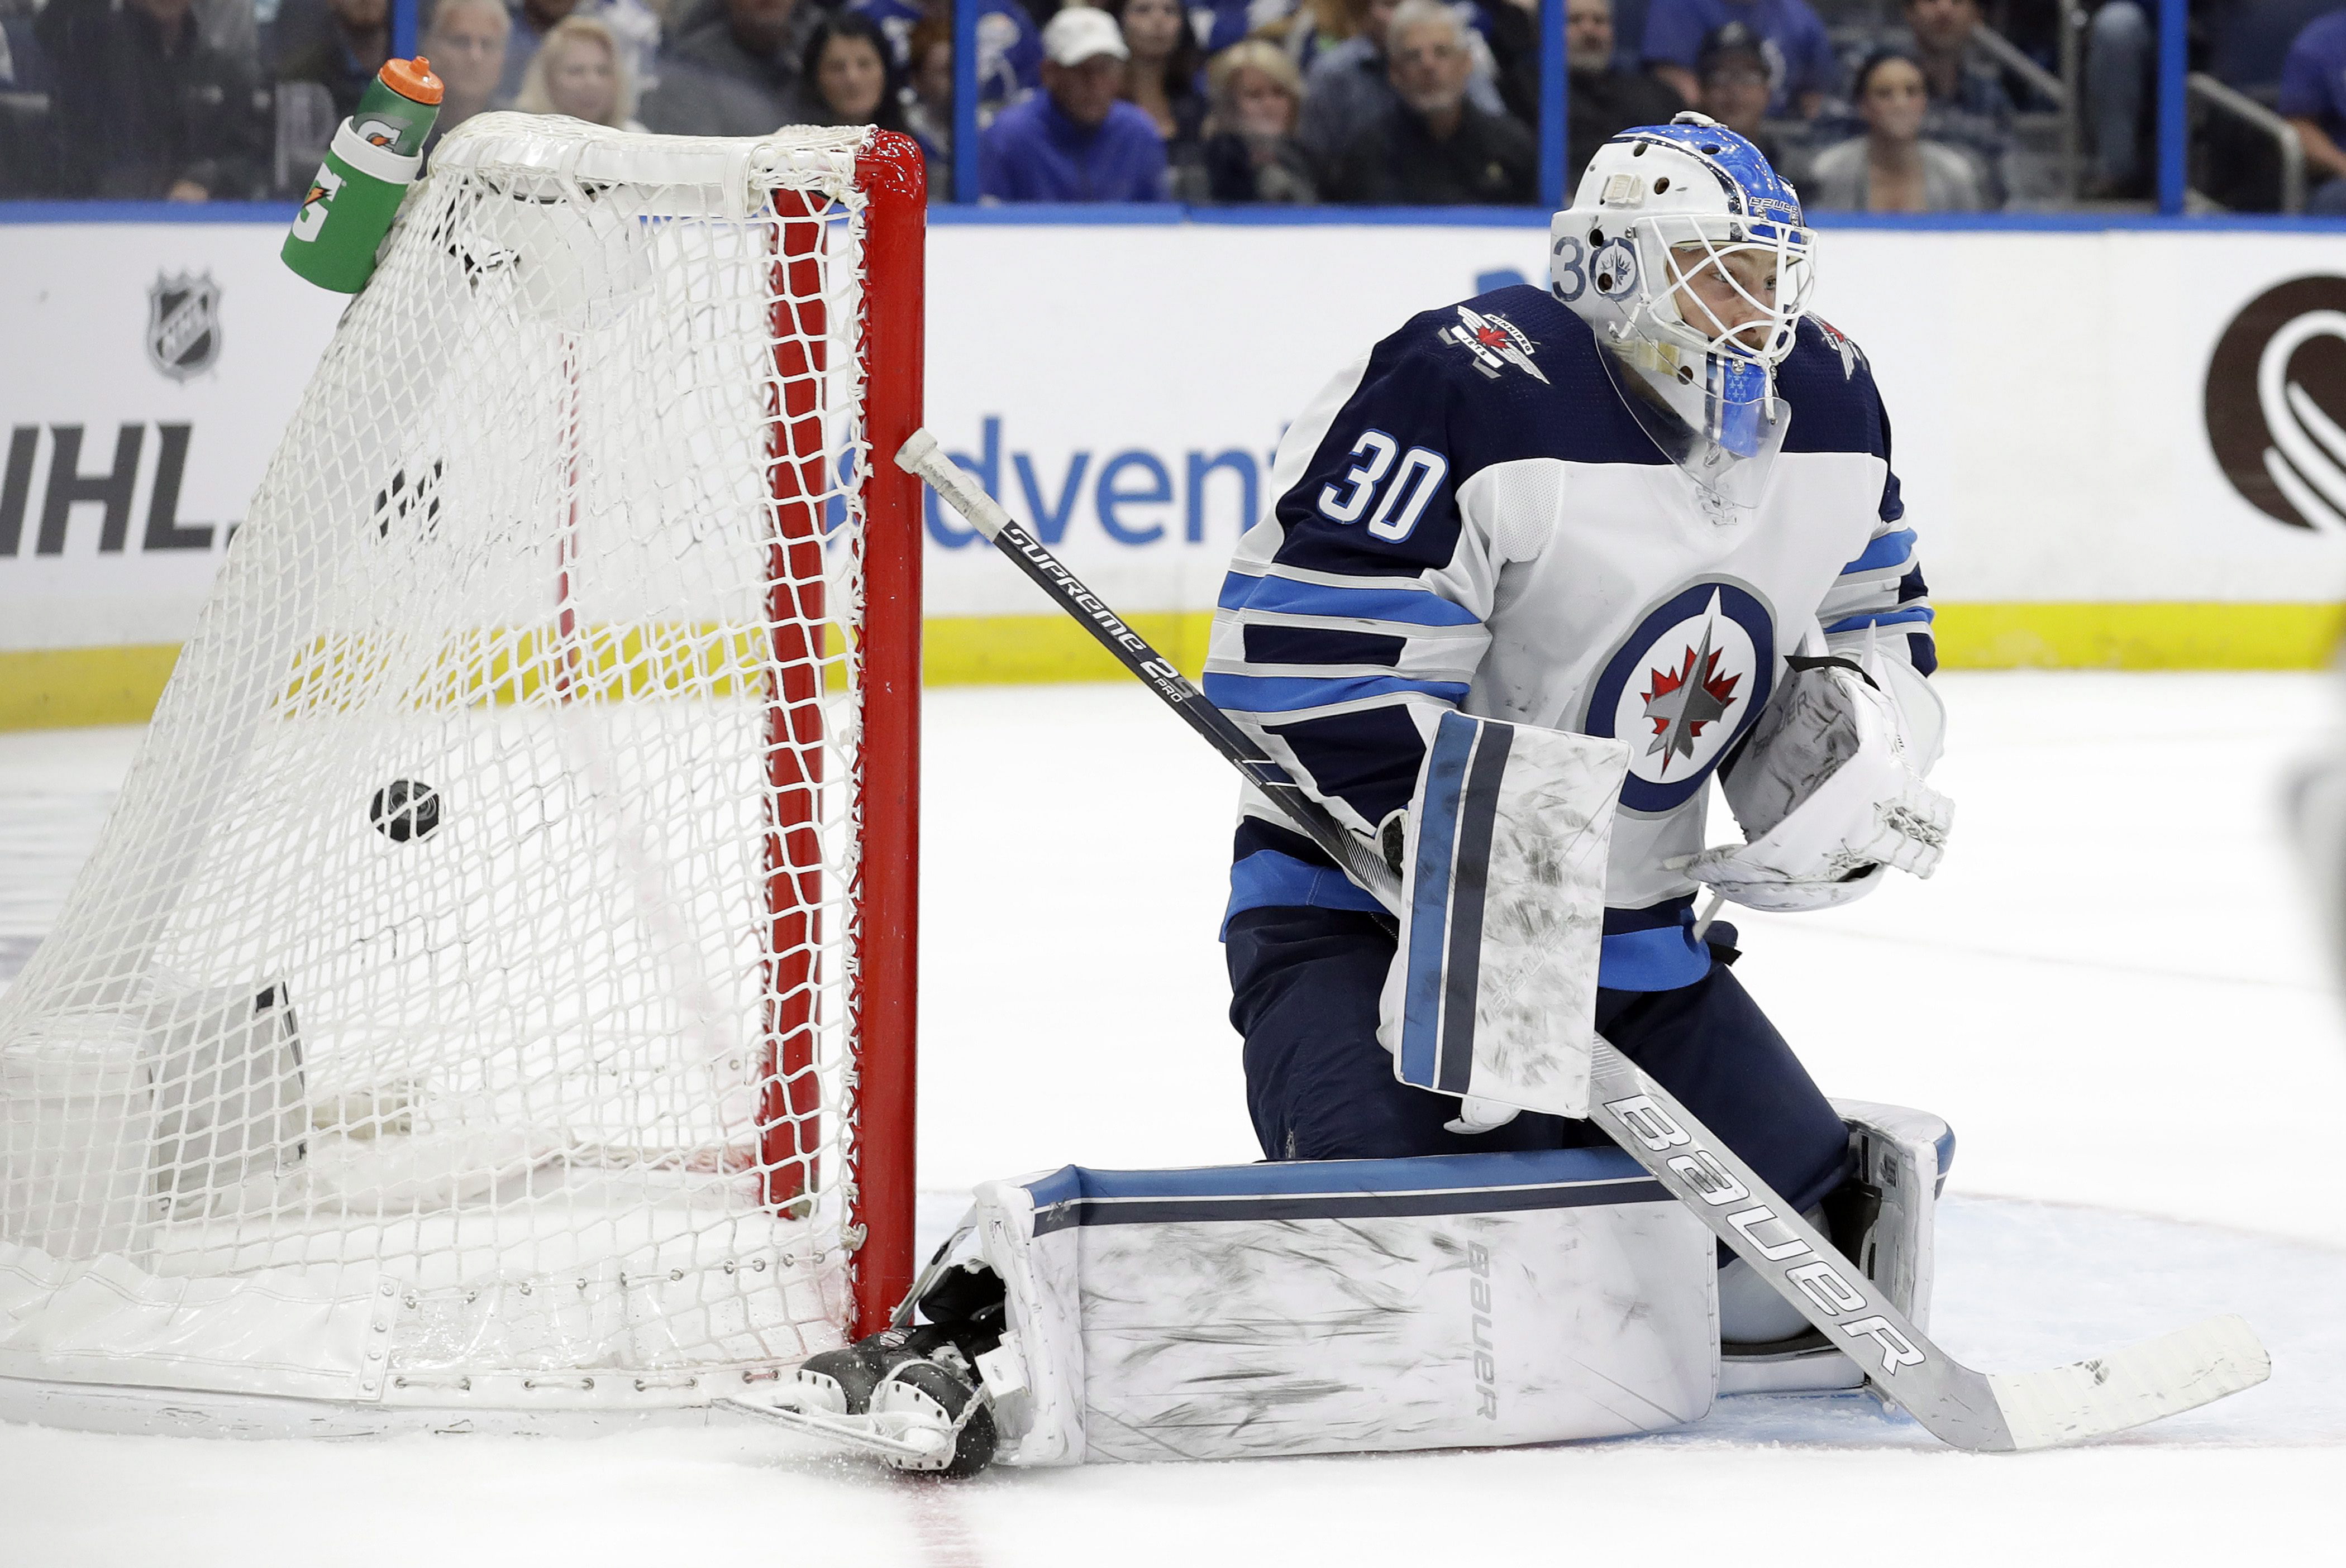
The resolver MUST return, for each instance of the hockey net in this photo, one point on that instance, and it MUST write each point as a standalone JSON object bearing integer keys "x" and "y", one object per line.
{"x": 492, "y": 985}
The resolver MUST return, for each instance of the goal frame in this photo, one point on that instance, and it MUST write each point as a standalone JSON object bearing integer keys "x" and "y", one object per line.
{"x": 872, "y": 1158}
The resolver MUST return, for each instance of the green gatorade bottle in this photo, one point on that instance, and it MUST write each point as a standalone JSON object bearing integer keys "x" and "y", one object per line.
{"x": 375, "y": 158}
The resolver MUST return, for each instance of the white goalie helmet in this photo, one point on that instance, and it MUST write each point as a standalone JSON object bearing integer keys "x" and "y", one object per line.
{"x": 1686, "y": 253}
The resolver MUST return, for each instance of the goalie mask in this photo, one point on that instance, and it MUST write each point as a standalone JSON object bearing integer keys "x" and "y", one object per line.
{"x": 1684, "y": 254}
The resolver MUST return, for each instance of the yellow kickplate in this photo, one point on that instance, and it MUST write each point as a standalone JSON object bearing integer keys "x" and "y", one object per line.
{"x": 59, "y": 688}
{"x": 2138, "y": 637}
{"x": 55, "y": 688}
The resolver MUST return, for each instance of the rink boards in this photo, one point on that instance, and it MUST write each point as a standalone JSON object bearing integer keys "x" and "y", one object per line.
{"x": 2123, "y": 447}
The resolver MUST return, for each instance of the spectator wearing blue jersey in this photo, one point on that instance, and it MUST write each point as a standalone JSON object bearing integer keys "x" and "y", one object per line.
{"x": 1076, "y": 141}
{"x": 2314, "y": 98}
{"x": 1801, "y": 65}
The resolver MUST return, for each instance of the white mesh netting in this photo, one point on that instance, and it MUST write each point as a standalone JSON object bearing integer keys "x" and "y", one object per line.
{"x": 457, "y": 1003}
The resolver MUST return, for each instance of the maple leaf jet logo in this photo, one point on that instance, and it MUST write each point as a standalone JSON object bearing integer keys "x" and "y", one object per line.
{"x": 1494, "y": 341}
{"x": 1681, "y": 703}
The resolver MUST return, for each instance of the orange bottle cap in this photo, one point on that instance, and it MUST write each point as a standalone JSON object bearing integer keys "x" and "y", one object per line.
{"x": 413, "y": 79}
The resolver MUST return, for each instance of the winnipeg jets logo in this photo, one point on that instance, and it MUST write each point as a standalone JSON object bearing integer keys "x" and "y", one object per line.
{"x": 1851, "y": 356}
{"x": 1494, "y": 341}
{"x": 1681, "y": 685}
{"x": 1682, "y": 703}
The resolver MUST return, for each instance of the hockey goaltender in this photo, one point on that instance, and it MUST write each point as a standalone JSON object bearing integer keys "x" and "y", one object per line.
{"x": 1540, "y": 567}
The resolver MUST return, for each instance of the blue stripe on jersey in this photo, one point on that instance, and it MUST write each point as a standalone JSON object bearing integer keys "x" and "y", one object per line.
{"x": 1284, "y": 694}
{"x": 1438, "y": 826}
{"x": 1287, "y": 597}
{"x": 1653, "y": 948}
{"x": 1889, "y": 550}
{"x": 1662, "y": 959}
{"x": 1887, "y": 618}
{"x": 1427, "y": 1173}
{"x": 1269, "y": 880}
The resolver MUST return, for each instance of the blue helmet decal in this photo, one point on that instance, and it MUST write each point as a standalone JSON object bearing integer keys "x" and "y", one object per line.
{"x": 1754, "y": 187}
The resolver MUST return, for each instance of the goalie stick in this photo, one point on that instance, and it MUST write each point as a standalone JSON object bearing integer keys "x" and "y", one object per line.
{"x": 1992, "y": 1412}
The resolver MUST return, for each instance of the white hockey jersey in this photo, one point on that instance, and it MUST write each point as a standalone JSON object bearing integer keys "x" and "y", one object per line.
{"x": 1470, "y": 517}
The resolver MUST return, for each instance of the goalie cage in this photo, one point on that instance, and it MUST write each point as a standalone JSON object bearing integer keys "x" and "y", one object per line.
{"x": 491, "y": 990}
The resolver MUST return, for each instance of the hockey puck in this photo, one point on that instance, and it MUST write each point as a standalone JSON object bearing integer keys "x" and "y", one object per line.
{"x": 403, "y": 809}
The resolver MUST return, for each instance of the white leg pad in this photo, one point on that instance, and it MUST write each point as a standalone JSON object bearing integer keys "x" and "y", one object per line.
{"x": 1345, "y": 1307}
{"x": 1905, "y": 1156}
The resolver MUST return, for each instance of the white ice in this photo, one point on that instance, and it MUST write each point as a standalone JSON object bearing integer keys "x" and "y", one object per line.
{"x": 2111, "y": 990}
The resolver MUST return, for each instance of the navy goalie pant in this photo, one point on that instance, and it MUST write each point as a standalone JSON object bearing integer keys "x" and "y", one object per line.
{"x": 1303, "y": 992}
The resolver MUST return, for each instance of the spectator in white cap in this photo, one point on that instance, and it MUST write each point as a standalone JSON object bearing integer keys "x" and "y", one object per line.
{"x": 1075, "y": 140}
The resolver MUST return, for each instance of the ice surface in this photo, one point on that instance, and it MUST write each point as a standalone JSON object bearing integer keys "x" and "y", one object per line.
{"x": 2109, "y": 990}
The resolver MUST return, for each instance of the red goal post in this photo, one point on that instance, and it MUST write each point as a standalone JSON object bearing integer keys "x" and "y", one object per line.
{"x": 887, "y": 990}
{"x": 883, "y": 993}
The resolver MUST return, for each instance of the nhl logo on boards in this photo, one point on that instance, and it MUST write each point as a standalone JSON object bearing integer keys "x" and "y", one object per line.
{"x": 1494, "y": 341}
{"x": 183, "y": 326}
{"x": 1681, "y": 688}
{"x": 2276, "y": 402}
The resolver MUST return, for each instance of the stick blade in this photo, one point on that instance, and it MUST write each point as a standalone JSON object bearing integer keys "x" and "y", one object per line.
{"x": 2162, "y": 1376}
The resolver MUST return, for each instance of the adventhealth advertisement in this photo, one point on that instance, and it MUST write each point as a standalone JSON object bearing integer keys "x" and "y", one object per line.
{"x": 2148, "y": 421}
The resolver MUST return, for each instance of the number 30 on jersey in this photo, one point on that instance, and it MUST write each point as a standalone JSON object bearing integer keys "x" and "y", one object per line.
{"x": 1401, "y": 503}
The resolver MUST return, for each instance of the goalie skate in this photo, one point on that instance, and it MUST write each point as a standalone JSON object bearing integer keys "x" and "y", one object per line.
{"x": 905, "y": 1440}
{"x": 884, "y": 1396}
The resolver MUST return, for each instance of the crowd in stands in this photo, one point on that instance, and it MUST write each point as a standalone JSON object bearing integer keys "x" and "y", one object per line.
{"x": 1867, "y": 105}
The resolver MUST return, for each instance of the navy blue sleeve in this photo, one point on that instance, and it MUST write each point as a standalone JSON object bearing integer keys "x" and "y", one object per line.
{"x": 1353, "y": 616}
{"x": 1881, "y": 595}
